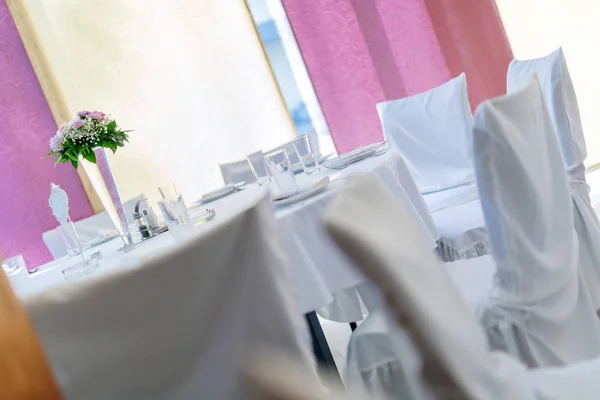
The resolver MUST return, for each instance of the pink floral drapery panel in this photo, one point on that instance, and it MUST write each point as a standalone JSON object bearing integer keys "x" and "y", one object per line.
{"x": 26, "y": 126}
{"x": 473, "y": 40}
{"x": 359, "y": 53}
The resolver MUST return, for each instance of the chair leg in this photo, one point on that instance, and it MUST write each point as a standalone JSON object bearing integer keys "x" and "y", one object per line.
{"x": 321, "y": 348}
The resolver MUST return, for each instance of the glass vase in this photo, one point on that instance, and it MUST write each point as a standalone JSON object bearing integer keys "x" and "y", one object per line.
{"x": 104, "y": 185}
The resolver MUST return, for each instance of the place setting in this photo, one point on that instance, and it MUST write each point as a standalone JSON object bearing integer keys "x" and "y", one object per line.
{"x": 345, "y": 160}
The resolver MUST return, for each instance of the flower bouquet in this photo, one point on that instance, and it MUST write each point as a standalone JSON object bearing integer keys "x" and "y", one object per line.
{"x": 83, "y": 140}
{"x": 78, "y": 137}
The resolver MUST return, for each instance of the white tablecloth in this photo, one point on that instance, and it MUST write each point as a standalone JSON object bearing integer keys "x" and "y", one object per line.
{"x": 319, "y": 268}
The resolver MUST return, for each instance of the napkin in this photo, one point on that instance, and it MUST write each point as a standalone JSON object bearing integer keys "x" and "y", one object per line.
{"x": 59, "y": 203}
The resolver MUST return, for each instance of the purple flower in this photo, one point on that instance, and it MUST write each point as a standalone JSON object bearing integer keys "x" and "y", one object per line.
{"x": 83, "y": 114}
{"x": 78, "y": 124}
{"x": 97, "y": 115}
{"x": 56, "y": 143}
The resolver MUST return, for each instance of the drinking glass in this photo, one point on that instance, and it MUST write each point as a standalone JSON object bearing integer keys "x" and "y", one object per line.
{"x": 280, "y": 168}
{"x": 259, "y": 168}
{"x": 81, "y": 269}
{"x": 70, "y": 239}
{"x": 169, "y": 192}
{"x": 174, "y": 211}
{"x": 306, "y": 154}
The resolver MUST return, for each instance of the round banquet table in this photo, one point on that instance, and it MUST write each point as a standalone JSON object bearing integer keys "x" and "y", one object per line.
{"x": 322, "y": 277}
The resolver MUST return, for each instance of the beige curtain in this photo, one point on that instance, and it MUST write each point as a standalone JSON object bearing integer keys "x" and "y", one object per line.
{"x": 537, "y": 27}
{"x": 189, "y": 76}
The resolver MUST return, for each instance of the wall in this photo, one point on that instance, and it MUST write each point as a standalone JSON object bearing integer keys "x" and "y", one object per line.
{"x": 197, "y": 91}
{"x": 26, "y": 126}
{"x": 537, "y": 27}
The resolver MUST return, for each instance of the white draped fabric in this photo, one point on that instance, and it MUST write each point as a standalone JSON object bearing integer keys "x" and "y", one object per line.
{"x": 188, "y": 76}
{"x": 456, "y": 359}
{"x": 181, "y": 325}
{"x": 364, "y": 221}
{"x": 283, "y": 380}
{"x": 381, "y": 357}
{"x": 561, "y": 100}
{"x": 432, "y": 130}
{"x": 319, "y": 270}
{"x": 539, "y": 303}
{"x": 237, "y": 172}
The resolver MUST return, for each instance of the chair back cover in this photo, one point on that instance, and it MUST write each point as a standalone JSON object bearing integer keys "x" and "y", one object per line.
{"x": 529, "y": 217}
{"x": 432, "y": 131}
{"x": 238, "y": 171}
{"x": 179, "y": 326}
{"x": 257, "y": 164}
{"x": 382, "y": 238}
{"x": 561, "y": 101}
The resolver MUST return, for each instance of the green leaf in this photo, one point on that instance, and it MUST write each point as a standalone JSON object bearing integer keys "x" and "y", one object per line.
{"x": 74, "y": 163}
{"x": 90, "y": 156}
{"x": 111, "y": 126}
{"x": 50, "y": 154}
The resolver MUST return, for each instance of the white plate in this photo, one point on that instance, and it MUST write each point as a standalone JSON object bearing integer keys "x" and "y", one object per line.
{"x": 101, "y": 240}
{"x": 276, "y": 195}
{"x": 319, "y": 187}
{"x": 217, "y": 194}
{"x": 202, "y": 216}
{"x": 323, "y": 158}
{"x": 356, "y": 155}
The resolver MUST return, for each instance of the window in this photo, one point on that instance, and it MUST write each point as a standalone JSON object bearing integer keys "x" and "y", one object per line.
{"x": 290, "y": 72}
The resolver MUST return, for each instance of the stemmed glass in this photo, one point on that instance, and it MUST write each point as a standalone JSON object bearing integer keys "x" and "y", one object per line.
{"x": 68, "y": 234}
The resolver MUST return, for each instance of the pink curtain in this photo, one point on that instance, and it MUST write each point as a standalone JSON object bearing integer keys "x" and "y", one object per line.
{"x": 26, "y": 126}
{"x": 359, "y": 53}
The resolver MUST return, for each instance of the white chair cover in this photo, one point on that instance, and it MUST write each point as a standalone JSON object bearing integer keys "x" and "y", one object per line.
{"x": 179, "y": 326}
{"x": 561, "y": 101}
{"x": 376, "y": 231}
{"x": 381, "y": 359}
{"x": 257, "y": 163}
{"x": 462, "y": 230}
{"x": 432, "y": 130}
{"x": 539, "y": 304}
{"x": 383, "y": 362}
{"x": 560, "y": 98}
{"x": 454, "y": 351}
{"x": 88, "y": 229}
{"x": 238, "y": 171}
